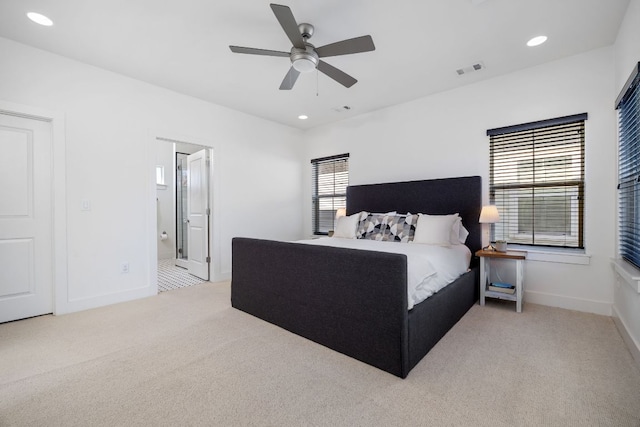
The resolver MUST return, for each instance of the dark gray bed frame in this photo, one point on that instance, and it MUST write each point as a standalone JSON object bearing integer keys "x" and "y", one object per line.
{"x": 354, "y": 301}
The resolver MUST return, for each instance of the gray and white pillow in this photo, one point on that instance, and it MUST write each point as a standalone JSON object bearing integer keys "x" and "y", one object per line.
{"x": 400, "y": 228}
{"x": 372, "y": 227}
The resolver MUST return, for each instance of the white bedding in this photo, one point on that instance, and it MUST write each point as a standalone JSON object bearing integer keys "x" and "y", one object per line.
{"x": 429, "y": 267}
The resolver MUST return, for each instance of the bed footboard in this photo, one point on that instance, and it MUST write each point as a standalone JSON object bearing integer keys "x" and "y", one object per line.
{"x": 352, "y": 301}
{"x": 430, "y": 320}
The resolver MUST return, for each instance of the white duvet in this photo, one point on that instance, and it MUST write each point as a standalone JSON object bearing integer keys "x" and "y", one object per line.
{"x": 429, "y": 267}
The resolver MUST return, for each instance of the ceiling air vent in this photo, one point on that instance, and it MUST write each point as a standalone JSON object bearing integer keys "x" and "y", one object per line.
{"x": 341, "y": 109}
{"x": 475, "y": 67}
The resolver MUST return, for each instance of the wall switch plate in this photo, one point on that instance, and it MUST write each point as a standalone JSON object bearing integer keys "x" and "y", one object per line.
{"x": 85, "y": 205}
{"x": 124, "y": 267}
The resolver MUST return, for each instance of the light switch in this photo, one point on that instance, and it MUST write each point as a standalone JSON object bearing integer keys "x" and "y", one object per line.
{"x": 86, "y": 205}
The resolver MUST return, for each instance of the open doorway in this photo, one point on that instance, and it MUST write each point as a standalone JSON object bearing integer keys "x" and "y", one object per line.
{"x": 183, "y": 213}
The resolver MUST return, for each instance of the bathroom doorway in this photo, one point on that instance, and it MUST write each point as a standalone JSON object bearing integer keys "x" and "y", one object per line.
{"x": 183, "y": 213}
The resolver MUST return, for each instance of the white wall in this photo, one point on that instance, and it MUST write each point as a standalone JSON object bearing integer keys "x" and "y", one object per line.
{"x": 110, "y": 120}
{"x": 626, "y": 308}
{"x": 165, "y": 196}
{"x": 444, "y": 135}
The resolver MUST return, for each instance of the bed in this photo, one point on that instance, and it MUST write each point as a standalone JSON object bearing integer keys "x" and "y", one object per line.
{"x": 354, "y": 301}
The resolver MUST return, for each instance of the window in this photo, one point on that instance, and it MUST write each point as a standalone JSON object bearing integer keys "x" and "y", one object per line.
{"x": 628, "y": 106}
{"x": 330, "y": 176}
{"x": 537, "y": 182}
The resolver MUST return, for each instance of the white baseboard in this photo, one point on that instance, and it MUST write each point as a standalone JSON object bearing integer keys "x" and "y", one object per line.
{"x": 632, "y": 344}
{"x": 223, "y": 276}
{"x": 569, "y": 303}
{"x": 87, "y": 303}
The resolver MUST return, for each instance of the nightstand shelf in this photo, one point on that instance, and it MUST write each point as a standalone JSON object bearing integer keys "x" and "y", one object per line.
{"x": 500, "y": 295}
{"x": 485, "y": 276}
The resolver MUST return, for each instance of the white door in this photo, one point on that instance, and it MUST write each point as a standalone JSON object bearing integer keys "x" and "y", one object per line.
{"x": 198, "y": 214}
{"x": 26, "y": 254}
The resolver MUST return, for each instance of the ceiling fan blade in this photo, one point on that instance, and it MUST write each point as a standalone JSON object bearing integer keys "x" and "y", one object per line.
{"x": 289, "y": 24}
{"x": 337, "y": 75}
{"x": 289, "y": 79}
{"x": 253, "y": 51}
{"x": 346, "y": 47}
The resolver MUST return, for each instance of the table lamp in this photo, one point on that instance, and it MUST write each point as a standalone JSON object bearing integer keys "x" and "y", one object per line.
{"x": 489, "y": 215}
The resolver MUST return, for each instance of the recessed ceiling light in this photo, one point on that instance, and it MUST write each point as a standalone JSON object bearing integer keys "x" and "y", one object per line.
{"x": 303, "y": 117}
{"x": 536, "y": 41}
{"x": 40, "y": 19}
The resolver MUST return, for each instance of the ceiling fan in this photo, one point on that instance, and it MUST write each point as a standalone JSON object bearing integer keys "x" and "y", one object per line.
{"x": 304, "y": 56}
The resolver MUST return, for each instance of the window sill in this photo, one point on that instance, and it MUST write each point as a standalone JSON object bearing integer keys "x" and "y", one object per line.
{"x": 628, "y": 272}
{"x": 558, "y": 255}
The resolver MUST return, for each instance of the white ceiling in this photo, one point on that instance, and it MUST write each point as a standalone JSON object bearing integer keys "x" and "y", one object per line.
{"x": 183, "y": 45}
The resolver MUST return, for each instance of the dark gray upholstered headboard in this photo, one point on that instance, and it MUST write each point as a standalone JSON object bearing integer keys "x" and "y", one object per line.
{"x": 433, "y": 196}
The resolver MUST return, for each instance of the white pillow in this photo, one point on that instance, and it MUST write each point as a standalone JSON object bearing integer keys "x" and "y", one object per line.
{"x": 459, "y": 234}
{"x": 435, "y": 229}
{"x": 347, "y": 225}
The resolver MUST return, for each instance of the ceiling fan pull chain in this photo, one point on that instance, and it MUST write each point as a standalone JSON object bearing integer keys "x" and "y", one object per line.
{"x": 317, "y": 82}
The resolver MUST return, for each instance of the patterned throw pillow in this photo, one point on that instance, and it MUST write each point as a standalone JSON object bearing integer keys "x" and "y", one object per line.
{"x": 372, "y": 227}
{"x": 400, "y": 228}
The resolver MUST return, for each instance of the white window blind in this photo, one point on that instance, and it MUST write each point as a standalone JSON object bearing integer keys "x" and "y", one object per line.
{"x": 537, "y": 182}
{"x": 330, "y": 178}
{"x": 628, "y": 106}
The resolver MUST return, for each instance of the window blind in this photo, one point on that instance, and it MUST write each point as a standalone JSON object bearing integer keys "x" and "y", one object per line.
{"x": 537, "y": 182}
{"x": 330, "y": 178}
{"x": 628, "y": 106}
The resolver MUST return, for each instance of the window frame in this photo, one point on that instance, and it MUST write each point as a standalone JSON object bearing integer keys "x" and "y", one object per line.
{"x": 317, "y": 195}
{"x": 538, "y": 134}
{"x": 628, "y": 107}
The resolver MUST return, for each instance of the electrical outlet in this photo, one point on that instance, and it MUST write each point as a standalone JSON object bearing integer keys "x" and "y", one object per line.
{"x": 124, "y": 267}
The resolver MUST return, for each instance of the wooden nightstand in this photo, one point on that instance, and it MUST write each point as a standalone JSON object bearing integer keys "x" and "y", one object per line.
{"x": 485, "y": 275}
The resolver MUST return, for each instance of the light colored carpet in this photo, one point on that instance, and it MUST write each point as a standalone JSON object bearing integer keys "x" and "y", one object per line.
{"x": 187, "y": 358}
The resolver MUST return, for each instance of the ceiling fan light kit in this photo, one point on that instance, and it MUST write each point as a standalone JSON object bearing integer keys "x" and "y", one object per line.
{"x": 304, "y": 60}
{"x": 304, "y": 56}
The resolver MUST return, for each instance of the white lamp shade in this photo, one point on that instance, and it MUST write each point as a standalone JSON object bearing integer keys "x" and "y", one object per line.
{"x": 341, "y": 212}
{"x": 489, "y": 214}
{"x": 304, "y": 65}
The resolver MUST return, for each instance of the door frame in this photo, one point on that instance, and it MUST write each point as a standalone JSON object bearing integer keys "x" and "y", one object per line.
{"x": 58, "y": 196}
{"x": 155, "y": 136}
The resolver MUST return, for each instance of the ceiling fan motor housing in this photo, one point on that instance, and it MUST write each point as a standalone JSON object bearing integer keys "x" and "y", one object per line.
{"x": 306, "y": 30}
